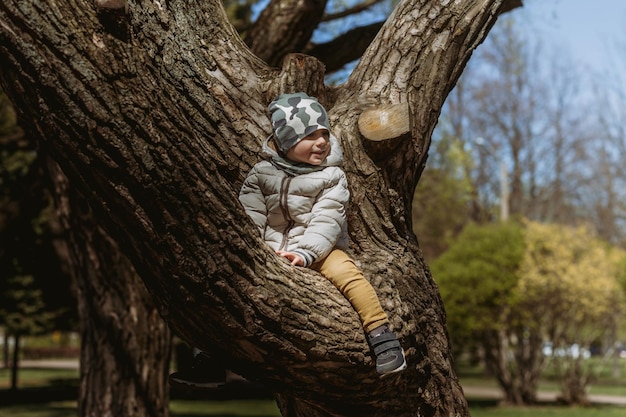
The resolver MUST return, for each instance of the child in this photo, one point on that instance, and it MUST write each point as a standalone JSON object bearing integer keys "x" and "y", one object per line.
{"x": 298, "y": 199}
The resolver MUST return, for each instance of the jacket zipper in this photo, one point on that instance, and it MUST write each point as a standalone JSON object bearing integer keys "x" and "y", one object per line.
{"x": 284, "y": 197}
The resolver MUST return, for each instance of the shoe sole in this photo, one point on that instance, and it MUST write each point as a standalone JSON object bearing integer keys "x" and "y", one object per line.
{"x": 398, "y": 369}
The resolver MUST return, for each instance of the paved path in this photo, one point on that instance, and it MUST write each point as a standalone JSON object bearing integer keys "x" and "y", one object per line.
{"x": 496, "y": 394}
{"x": 472, "y": 392}
{"x": 50, "y": 363}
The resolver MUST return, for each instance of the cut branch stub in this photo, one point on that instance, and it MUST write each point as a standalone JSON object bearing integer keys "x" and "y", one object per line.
{"x": 299, "y": 72}
{"x": 385, "y": 122}
{"x": 111, "y": 4}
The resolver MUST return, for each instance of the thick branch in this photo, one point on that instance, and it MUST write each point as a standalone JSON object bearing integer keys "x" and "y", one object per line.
{"x": 345, "y": 48}
{"x": 284, "y": 26}
{"x": 299, "y": 73}
{"x": 356, "y": 8}
{"x": 431, "y": 44}
{"x": 509, "y": 5}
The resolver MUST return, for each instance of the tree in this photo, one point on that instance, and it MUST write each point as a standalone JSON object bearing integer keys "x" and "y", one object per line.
{"x": 125, "y": 345}
{"x": 26, "y": 222}
{"x": 443, "y": 198}
{"x": 570, "y": 296}
{"x": 113, "y": 300}
{"x": 511, "y": 107}
{"x": 478, "y": 277}
{"x": 155, "y": 112}
{"x": 27, "y": 259}
{"x": 511, "y": 288}
{"x": 605, "y": 197}
{"x": 23, "y": 314}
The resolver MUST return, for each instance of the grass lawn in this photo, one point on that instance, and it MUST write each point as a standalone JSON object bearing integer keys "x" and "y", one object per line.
{"x": 239, "y": 408}
{"x": 606, "y": 383}
{"x": 36, "y": 377}
{"x": 39, "y": 387}
{"x": 267, "y": 408}
{"x": 608, "y": 411}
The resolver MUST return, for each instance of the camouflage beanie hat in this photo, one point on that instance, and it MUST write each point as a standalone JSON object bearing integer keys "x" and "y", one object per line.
{"x": 295, "y": 116}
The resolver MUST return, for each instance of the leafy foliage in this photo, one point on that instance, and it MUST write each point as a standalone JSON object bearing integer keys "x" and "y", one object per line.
{"x": 571, "y": 295}
{"x": 477, "y": 277}
{"x": 23, "y": 309}
{"x": 570, "y": 278}
{"x": 509, "y": 286}
{"x": 443, "y": 197}
{"x": 30, "y": 274}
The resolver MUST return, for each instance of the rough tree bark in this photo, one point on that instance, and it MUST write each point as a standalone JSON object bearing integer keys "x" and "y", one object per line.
{"x": 125, "y": 345}
{"x": 156, "y": 112}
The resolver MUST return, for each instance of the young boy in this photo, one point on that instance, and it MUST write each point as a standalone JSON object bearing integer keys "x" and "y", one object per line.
{"x": 298, "y": 199}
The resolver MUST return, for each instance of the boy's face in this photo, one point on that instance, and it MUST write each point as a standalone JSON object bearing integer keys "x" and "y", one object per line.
{"x": 312, "y": 150}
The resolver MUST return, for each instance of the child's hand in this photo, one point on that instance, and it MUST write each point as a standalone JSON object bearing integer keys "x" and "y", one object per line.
{"x": 292, "y": 257}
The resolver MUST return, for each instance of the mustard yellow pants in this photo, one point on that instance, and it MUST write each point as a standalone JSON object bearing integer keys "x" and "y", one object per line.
{"x": 341, "y": 270}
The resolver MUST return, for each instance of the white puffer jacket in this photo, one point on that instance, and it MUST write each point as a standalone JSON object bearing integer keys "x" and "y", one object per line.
{"x": 298, "y": 207}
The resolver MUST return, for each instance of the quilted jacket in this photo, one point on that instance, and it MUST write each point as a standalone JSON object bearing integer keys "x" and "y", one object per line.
{"x": 299, "y": 208}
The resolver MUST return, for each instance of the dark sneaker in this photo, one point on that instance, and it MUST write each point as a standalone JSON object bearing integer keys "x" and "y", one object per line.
{"x": 204, "y": 373}
{"x": 388, "y": 351}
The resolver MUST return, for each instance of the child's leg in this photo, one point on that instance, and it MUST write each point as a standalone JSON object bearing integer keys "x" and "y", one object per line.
{"x": 344, "y": 274}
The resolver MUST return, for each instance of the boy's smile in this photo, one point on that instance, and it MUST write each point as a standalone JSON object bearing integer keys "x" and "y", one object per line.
{"x": 312, "y": 150}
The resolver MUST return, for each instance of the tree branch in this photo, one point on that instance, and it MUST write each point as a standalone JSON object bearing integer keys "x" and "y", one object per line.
{"x": 431, "y": 44}
{"x": 357, "y": 8}
{"x": 509, "y": 5}
{"x": 299, "y": 73}
{"x": 335, "y": 54}
{"x": 284, "y": 26}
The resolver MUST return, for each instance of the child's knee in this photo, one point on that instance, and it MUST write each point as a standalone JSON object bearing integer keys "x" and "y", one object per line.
{"x": 344, "y": 270}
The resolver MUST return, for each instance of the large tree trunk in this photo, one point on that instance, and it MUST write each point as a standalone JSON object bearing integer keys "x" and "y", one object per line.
{"x": 125, "y": 345}
{"x": 157, "y": 111}
{"x": 514, "y": 361}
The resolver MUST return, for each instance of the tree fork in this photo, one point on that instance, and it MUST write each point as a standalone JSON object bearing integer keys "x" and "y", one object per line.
{"x": 299, "y": 72}
{"x": 160, "y": 131}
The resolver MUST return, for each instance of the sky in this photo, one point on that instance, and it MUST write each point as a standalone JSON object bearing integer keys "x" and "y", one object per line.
{"x": 590, "y": 31}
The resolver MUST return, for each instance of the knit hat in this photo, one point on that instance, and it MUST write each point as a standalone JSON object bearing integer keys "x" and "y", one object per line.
{"x": 295, "y": 116}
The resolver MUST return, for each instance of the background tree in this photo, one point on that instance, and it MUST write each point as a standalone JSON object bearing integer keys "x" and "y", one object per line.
{"x": 478, "y": 276}
{"x": 567, "y": 158}
{"x": 605, "y": 198}
{"x": 510, "y": 289}
{"x": 144, "y": 115}
{"x": 444, "y": 198}
{"x": 23, "y": 314}
{"x": 512, "y": 108}
{"x": 570, "y": 295}
{"x": 35, "y": 293}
